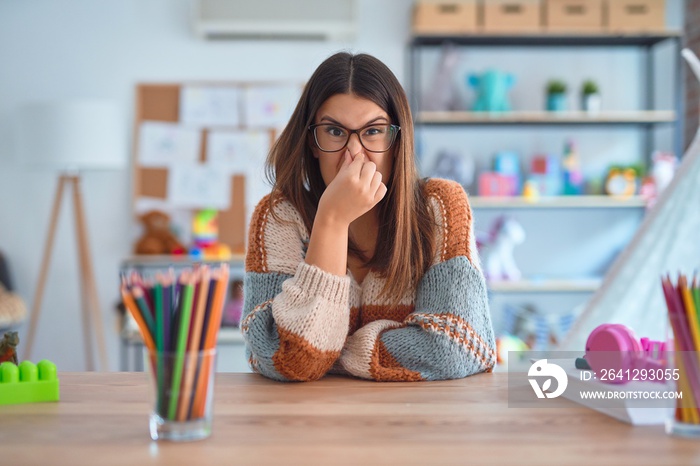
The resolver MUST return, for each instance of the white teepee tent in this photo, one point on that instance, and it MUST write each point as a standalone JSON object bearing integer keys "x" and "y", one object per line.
{"x": 668, "y": 241}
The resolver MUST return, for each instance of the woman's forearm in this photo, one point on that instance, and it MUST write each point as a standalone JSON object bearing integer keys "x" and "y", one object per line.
{"x": 328, "y": 245}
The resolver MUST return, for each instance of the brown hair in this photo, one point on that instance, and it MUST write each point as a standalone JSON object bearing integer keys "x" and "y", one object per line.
{"x": 405, "y": 243}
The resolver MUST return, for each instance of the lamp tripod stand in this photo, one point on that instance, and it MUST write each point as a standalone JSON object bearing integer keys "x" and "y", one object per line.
{"x": 92, "y": 317}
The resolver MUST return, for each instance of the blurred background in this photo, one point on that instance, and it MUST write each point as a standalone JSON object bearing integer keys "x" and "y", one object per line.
{"x": 563, "y": 119}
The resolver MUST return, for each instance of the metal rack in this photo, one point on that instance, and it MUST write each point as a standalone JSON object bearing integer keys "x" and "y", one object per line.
{"x": 647, "y": 119}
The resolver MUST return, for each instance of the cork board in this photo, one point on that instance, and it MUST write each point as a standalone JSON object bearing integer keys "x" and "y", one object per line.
{"x": 160, "y": 103}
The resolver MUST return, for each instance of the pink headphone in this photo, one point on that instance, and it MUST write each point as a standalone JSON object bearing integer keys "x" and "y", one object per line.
{"x": 615, "y": 347}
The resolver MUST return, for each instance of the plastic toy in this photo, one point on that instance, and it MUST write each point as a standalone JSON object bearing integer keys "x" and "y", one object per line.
{"x": 506, "y": 343}
{"x": 531, "y": 191}
{"x": 8, "y": 347}
{"x": 492, "y": 91}
{"x": 621, "y": 181}
{"x": 442, "y": 95}
{"x": 499, "y": 263}
{"x": 615, "y": 347}
{"x": 157, "y": 237}
{"x": 495, "y": 184}
{"x": 539, "y": 330}
{"x": 663, "y": 168}
{"x": 508, "y": 164}
{"x": 546, "y": 173}
{"x": 572, "y": 176}
{"x": 28, "y": 382}
{"x": 453, "y": 166}
{"x": 205, "y": 235}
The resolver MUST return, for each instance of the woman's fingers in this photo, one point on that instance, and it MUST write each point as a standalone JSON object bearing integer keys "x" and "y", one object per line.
{"x": 355, "y": 166}
{"x": 347, "y": 159}
{"x": 367, "y": 172}
{"x": 381, "y": 192}
{"x": 376, "y": 181}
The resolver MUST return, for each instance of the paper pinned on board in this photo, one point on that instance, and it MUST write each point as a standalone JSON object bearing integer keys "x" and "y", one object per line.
{"x": 238, "y": 151}
{"x": 210, "y": 105}
{"x": 166, "y": 144}
{"x": 270, "y": 106}
{"x": 198, "y": 186}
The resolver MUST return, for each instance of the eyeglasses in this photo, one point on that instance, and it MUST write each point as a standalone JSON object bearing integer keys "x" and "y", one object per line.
{"x": 330, "y": 137}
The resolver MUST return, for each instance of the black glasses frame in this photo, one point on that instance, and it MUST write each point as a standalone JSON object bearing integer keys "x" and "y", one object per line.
{"x": 394, "y": 129}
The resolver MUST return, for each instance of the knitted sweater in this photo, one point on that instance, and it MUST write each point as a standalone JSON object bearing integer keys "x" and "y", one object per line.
{"x": 300, "y": 322}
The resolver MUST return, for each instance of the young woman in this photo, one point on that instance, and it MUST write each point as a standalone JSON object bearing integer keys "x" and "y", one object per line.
{"x": 355, "y": 265}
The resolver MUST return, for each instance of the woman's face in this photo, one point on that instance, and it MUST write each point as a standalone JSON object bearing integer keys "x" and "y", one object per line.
{"x": 350, "y": 112}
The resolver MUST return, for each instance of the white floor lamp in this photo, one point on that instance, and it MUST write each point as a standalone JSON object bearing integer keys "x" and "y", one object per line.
{"x": 70, "y": 138}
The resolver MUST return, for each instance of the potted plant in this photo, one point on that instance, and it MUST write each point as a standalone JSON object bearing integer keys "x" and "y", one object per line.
{"x": 590, "y": 97}
{"x": 556, "y": 95}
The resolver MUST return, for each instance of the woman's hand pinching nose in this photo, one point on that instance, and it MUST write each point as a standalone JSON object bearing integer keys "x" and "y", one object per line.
{"x": 355, "y": 189}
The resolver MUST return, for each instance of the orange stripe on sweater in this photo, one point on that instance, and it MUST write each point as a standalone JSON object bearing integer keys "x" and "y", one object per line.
{"x": 456, "y": 216}
{"x": 397, "y": 313}
{"x": 383, "y": 365}
{"x": 297, "y": 359}
{"x": 255, "y": 260}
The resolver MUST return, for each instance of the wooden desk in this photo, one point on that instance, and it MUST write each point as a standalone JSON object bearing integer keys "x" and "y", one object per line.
{"x": 102, "y": 418}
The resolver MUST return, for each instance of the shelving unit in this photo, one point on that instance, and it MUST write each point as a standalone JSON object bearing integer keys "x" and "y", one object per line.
{"x": 550, "y": 39}
{"x": 557, "y": 202}
{"x": 552, "y": 210}
{"x": 648, "y": 117}
{"x": 546, "y": 286}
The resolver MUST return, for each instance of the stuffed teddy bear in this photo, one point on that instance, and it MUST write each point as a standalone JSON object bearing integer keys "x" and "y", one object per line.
{"x": 157, "y": 237}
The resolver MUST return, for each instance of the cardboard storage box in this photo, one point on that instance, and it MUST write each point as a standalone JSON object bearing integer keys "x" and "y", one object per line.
{"x": 512, "y": 16}
{"x": 636, "y": 15}
{"x": 574, "y": 15}
{"x": 445, "y": 17}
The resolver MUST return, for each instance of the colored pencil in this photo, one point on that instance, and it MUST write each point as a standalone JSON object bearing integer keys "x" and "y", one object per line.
{"x": 167, "y": 293}
{"x": 691, "y": 316}
{"x": 138, "y": 294}
{"x": 193, "y": 346}
{"x": 136, "y": 314}
{"x": 160, "y": 338}
{"x": 212, "y": 331}
{"x": 685, "y": 323}
{"x": 183, "y": 329}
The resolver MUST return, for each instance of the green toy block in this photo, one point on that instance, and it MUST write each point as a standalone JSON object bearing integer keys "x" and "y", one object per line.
{"x": 28, "y": 382}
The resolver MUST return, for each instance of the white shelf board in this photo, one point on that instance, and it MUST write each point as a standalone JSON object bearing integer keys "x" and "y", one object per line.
{"x": 545, "y": 285}
{"x": 545, "y": 117}
{"x": 226, "y": 336}
{"x": 145, "y": 260}
{"x": 556, "y": 202}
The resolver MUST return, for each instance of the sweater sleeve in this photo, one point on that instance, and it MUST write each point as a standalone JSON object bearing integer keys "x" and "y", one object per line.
{"x": 449, "y": 334}
{"x": 295, "y": 315}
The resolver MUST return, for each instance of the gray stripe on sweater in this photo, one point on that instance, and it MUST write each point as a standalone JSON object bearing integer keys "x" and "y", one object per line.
{"x": 454, "y": 287}
{"x": 263, "y": 339}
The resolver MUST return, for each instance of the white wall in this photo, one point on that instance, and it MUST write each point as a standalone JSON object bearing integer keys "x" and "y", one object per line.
{"x": 72, "y": 49}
